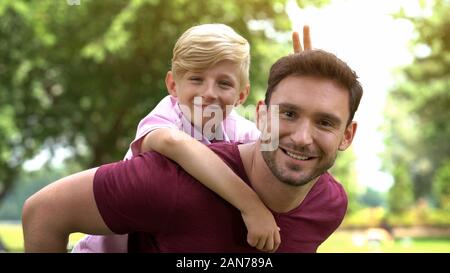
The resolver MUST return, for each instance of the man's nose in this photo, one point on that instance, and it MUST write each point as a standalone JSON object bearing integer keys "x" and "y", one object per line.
{"x": 302, "y": 133}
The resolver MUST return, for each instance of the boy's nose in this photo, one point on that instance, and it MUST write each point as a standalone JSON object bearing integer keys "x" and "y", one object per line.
{"x": 209, "y": 93}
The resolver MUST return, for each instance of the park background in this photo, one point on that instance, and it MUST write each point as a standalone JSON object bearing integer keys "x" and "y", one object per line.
{"x": 77, "y": 76}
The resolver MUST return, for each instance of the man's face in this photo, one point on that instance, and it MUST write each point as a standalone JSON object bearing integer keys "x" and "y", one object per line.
{"x": 313, "y": 114}
{"x": 211, "y": 90}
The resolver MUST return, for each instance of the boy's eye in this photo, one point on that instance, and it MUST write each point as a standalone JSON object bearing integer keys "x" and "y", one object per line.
{"x": 225, "y": 84}
{"x": 195, "y": 79}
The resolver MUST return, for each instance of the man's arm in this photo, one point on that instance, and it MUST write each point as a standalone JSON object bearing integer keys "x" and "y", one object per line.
{"x": 61, "y": 208}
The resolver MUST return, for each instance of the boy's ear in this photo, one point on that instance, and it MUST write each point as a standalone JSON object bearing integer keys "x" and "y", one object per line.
{"x": 170, "y": 84}
{"x": 243, "y": 95}
{"x": 261, "y": 115}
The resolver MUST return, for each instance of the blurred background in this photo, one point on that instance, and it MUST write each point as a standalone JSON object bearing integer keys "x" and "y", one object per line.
{"x": 77, "y": 76}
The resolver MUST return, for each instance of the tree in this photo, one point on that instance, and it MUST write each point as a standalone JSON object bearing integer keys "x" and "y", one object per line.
{"x": 441, "y": 185}
{"x": 417, "y": 109}
{"x": 82, "y": 76}
{"x": 400, "y": 196}
{"x": 372, "y": 198}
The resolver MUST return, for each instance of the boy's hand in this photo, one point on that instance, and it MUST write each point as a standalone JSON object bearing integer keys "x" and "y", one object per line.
{"x": 263, "y": 232}
{"x": 306, "y": 40}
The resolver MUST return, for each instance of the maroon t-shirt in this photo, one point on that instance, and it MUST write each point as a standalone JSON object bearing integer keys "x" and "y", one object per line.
{"x": 167, "y": 210}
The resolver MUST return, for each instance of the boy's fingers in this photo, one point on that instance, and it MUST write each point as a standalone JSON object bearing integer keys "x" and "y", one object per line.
{"x": 296, "y": 42}
{"x": 306, "y": 38}
{"x": 276, "y": 240}
{"x": 252, "y": 241}
{"x": 269, "y": 244}
{"x": 260, "y": 244}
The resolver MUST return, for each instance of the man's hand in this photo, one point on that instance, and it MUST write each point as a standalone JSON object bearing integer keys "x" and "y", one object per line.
{"x": 306, "y": 40}
{"x": 263, "y": 232}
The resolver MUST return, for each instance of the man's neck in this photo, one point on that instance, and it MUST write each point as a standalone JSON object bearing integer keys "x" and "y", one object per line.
{"x": 278, "y": 196}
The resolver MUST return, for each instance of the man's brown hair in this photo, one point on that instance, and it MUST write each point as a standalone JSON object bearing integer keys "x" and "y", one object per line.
{"x": 320, "y": 64}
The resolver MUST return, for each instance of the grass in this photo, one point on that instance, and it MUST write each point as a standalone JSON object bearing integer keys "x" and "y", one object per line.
{"x": 356, "y": 242}
{"x": 340, "y": 242}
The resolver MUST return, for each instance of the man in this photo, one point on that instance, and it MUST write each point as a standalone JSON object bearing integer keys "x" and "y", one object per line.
{"x": 166, "y": 210}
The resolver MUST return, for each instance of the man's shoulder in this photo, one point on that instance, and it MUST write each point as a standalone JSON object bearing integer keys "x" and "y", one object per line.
{"x": 226, "y": 149}
{"x": 332, "y": 183}
{"x": 335, "y": 196}
{"x": 229, "y": 153}
{"x": 332, "y": 180}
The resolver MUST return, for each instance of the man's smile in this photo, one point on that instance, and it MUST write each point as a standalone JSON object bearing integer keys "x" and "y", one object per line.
{"x": 297, "y": 155}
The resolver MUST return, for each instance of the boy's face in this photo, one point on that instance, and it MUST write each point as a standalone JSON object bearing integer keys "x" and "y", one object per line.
{"x": 205, "y": 96}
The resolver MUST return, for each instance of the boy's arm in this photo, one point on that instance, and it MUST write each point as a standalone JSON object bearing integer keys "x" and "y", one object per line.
{"x": 61, "y": 208}
{"x": 203, "y": 164}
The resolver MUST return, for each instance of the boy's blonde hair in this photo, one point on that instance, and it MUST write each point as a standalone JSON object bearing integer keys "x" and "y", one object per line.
{"x": 203, "y": 46}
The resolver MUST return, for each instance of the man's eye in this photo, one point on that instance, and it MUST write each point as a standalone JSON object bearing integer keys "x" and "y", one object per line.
{"x": 326, "y": 123}
{"x": 288, "y": 114}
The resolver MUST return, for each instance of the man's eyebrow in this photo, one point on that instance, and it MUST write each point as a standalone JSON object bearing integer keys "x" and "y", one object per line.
{"x": 288, "y": 106}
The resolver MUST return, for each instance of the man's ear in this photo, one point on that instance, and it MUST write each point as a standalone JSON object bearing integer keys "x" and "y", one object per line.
{"x": 170, "y": 84}
{"x": 349, "y": 134}
{"x": 243, "y": 95}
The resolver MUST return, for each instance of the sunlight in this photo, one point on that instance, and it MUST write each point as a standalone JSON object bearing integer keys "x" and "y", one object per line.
{"x": 364, "y": 34}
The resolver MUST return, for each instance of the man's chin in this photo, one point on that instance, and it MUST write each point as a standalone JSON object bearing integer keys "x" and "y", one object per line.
{"x": 299, "y": 178}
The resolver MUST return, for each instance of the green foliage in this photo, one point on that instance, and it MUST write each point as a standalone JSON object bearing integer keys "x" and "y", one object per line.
{"x": 24, "y": 187}
{"x": 400, "y": 197}
{"x": 442, "y": 186}
{"x": 365, "y": 218}
{"x": 417, "y": 113}
{"x": 409, "y": 218}
{"x": 419, "y": 214}
{"x": 372, "y": 198}
{"x": 438, "y": 217}
{"x": 82, "y": 76}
